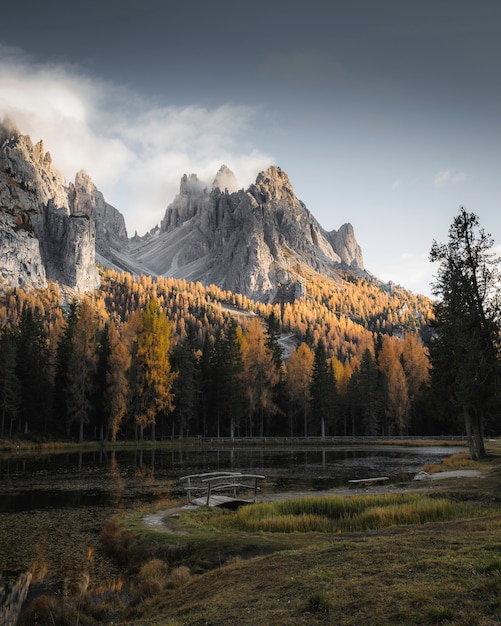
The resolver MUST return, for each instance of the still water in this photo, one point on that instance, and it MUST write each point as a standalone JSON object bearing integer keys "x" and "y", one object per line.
{"x": 52, "y": 506}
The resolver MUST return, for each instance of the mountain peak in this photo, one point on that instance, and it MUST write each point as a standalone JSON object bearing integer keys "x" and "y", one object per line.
{"x": 250, "y": 242}
{"x": 225, "y": 180}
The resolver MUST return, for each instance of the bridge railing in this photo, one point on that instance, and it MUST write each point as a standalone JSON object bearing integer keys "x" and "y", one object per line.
{"x": 204, "y": 485}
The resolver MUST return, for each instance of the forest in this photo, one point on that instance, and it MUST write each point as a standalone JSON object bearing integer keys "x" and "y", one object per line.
{"x": 144, "y": 358}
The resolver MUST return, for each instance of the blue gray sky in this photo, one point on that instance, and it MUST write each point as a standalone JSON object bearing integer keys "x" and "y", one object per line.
{"x": 384, "y": 113}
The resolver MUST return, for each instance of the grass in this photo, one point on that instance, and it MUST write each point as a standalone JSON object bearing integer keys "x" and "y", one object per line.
{"x": 335, "y": 514}
{"x": 459, "y": 460}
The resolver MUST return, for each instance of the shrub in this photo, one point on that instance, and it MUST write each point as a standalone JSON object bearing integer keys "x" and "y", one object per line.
{"x": 318, "y": 604}
{"x": 152, "y": 577}
{"x": 179, "y": 576}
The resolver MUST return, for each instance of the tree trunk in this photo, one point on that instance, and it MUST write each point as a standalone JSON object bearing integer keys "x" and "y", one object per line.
{"x": 469, "y": 436}
{"x": 478, "y": 435}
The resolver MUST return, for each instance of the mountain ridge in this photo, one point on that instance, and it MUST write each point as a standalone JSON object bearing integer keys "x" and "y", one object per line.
{"x": 251, "y": 241}
{"x": 246, "y": 241}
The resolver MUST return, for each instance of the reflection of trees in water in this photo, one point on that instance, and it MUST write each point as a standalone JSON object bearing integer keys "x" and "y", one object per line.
{"x": 118, "y": 483}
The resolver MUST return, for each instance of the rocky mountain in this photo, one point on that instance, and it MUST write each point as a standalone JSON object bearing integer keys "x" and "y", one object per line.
{"x": 260, "y": 242}
{"x": 84, "y": 197}
{"x": 253, "y": 242}
{"x": 48, "y": 230}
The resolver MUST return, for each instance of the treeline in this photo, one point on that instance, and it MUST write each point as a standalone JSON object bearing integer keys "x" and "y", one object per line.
{"x": 156, "y": 358}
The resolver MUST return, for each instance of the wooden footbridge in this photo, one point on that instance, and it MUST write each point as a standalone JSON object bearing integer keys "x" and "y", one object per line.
{"x": 225, "y": 489}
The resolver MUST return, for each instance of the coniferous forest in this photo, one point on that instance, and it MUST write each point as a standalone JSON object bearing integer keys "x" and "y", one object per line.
{"x": 145, "y": 358}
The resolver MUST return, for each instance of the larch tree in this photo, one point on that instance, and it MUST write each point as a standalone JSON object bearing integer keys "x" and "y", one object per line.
{"x": 298, "y": 381}
{"x": 153, "y": 369}
{"x": 397, "y": 394}
{"x": 260, "y": 372}
{"x": 119, "y": 362}
{"x": 416, "y": 363}
{"x": 465, "y": 349}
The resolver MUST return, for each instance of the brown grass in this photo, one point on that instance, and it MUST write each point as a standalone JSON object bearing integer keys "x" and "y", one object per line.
{"x": 457, "y": 461}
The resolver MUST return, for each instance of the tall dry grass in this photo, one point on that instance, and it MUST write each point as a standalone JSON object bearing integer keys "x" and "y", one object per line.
{"x": 333, "y": 514}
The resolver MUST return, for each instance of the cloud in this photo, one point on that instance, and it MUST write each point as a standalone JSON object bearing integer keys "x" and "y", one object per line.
{"x": 446, "y": 177}
{"x": 134, "y": 150}
{"x": 414, "y": 271}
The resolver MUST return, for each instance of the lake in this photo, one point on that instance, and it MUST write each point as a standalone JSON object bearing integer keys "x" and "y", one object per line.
{"x": 52, "y": 506}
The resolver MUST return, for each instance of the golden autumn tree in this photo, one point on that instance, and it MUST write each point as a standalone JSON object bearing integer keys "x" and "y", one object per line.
{"x": 260, "y": 372}
{"x": 416, "y": 364}
{"x": 298, "y": 381}
{"x": 397, "y": 392}
{"x": 153, "y": 369}
{"x": 116, "y": 379}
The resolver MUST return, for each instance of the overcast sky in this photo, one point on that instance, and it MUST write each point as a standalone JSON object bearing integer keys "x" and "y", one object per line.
{"x": 384, "y": 113}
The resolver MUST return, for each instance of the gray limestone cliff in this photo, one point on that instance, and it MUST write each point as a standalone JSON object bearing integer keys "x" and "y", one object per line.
{"x": 40, "y": 239}
{"x": 248, "y": 241}
{"x": 84, "y": 197}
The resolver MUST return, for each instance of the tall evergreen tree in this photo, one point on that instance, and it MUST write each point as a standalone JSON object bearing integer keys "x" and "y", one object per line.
{"x": 226, "y": 381}
{"x": 364, "y": 394}
{"x": 33, "y": 371}
{"x": 61, "y": 414}
{"x": 321, "y": 389}
{"x": 272, "y": 339}
{"x": 82, "y": 367}
{"x": 10, "y": 396}
{"x": 185, "y": 388}
{"x": 465, "y": 349}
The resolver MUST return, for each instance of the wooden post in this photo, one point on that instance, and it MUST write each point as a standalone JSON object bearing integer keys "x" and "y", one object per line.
{"x": 208, "y": 491}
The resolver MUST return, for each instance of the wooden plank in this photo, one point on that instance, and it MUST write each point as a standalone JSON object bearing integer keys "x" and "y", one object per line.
{"x": 380, "y": 479}
{"x": 218, "y": 501}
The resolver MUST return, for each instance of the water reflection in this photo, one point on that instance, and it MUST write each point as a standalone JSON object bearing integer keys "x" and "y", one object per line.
{"x": 118, "y": 478}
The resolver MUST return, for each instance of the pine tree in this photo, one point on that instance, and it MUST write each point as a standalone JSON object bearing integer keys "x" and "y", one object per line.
{"x": 82, "y": 367}
{"x": 465, "y": 349}
{"x": 33, "y": 371}
{"x": 10, "y": 389}
{"x": 61, "y": 413}
{"x": 364, "y": 394}
{"x": 185, "y": 389}
{"x": 321, "y": 389}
